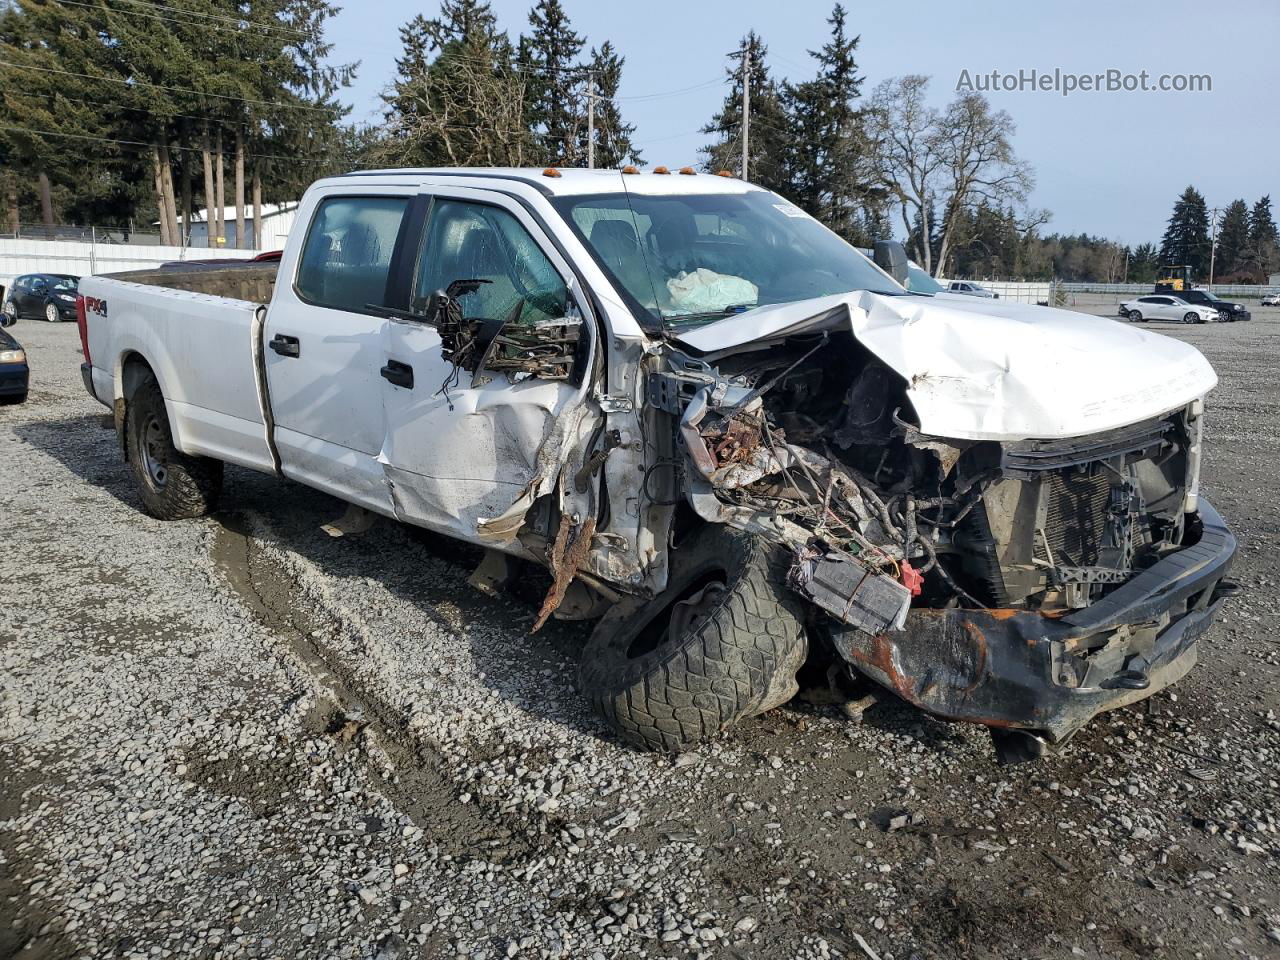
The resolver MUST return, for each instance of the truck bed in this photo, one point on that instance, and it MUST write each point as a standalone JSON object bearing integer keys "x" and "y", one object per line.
{"x": 251, "y": 280}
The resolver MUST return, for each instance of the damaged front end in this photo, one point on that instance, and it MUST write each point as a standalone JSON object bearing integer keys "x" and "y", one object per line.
{"x": 1024, "y": 585}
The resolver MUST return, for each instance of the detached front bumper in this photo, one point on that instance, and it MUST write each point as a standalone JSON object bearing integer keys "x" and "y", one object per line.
{"x": 1047, "y": 676}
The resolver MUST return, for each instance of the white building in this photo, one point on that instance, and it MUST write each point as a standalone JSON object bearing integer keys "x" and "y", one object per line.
{"x": 277, "y": 220}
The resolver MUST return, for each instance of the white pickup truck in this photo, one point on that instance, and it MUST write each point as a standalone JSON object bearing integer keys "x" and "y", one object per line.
{"x": 734, "y": 440}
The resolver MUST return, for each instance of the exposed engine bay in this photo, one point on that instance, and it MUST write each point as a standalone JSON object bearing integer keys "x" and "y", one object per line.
{"x": 813, "y": 442}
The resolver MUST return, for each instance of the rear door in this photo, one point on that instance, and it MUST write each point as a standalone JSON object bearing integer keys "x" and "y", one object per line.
{"x": 324, "y": 344}
{"x": 32, "y": 303}
{"x": 464, "y": 446}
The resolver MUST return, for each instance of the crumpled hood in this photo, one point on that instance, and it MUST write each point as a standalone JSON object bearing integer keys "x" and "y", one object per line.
{"x": 993, "y": 370}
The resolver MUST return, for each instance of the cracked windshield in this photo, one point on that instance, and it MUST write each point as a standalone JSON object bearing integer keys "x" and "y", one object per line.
{"x": 698, "y": 258}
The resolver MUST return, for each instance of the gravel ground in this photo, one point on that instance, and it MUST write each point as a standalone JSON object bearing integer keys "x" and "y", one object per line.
{"x": 240, "y": 737}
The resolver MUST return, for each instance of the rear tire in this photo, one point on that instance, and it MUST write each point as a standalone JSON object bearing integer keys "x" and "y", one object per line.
{"x": 171, "y": 484}
{"x": 13, "y": 399}
{"x": 723, "y": 642}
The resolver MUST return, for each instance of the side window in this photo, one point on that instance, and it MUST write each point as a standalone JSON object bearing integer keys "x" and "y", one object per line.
{"x": 474, "y": 241}
{"x": 347, "y": 255}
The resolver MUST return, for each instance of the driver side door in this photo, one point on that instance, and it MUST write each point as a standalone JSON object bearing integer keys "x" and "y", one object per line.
{"x": 466, "y": 446}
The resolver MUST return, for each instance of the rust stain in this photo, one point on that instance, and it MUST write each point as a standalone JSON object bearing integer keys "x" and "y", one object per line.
{"x": 738, "y": 442}
{"x": 566, "y": 558}
{"x": 880, "y": 657}
{"x": 980, "y": 646}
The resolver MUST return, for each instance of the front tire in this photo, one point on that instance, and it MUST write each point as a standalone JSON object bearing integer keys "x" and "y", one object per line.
{"x": 51, "y": 313}
{"x": 171, "y": 484}
{"x": 11, "y": 312}
{"x": 1192, "y": 318}
{"x": 1135, "y": 316}
{"x": 723, "y": 642}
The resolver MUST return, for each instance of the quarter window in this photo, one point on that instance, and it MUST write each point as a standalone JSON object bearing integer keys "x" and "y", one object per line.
{"x": 347, "y": 255}
{"x": 475, "y": 241}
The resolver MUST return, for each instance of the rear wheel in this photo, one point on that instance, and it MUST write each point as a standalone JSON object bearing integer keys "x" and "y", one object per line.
{"x": 723, "y": 642}
{"x": 171, "y": 484}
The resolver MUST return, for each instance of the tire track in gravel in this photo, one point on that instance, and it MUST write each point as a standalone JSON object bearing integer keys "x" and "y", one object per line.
{"x": 418, "y": 785}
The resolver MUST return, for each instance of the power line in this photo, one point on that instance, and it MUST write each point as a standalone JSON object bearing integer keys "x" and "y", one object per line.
{"x": 718, "y": 81}
{"x": 151, "y": 16}
{"x": 159, "y": 86}
{"x": 226, "y": 124}
{"x": 141, "y": 143}
{"x": 234, "y": 21}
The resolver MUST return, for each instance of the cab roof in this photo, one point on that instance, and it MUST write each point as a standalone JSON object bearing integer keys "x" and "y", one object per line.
{"x": 573, "y": 181}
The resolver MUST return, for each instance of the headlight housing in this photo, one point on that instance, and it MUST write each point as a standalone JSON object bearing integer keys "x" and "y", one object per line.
{"x": 71, "y": 297}
{"x": 13, "y": 356}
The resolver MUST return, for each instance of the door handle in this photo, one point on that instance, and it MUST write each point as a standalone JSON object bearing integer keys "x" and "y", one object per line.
{"x": 400, "y": 374}
{"x": 285, "y": 346}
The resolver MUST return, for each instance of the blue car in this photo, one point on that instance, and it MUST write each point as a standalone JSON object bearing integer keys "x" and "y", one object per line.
{"x": 14, "y": 372}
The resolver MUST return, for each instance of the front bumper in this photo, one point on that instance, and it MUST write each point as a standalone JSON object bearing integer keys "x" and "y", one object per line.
{"x": 1048, "y": 676}
{"x": 14, "y": 379}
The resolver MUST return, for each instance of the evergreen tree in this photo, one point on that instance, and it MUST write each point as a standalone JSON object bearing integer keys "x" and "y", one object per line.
{"x": 613, "y": 135}
{"x": 1144, "y": 264}
{"x": 555, "y": 83}
{"x": 464, "y": 106}
{"x": 1233, "y": 238}
{"x": 828, "y": 144}
{"x": 769, "y": 132}
{"x": 1186, "y": 239}
{"x": 1262, "y": 255}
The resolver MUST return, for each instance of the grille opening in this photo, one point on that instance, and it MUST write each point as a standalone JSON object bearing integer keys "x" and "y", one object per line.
{"x": 1075, "y": 519}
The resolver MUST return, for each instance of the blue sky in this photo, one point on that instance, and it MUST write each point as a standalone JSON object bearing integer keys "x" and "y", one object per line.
{"x": 1107, "y": 163}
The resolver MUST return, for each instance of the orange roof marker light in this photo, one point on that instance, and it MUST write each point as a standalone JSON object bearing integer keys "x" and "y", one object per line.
{"x": 661, "y": 170}
{"x": 551, "y": 172}
{"x": 723, "y": 173}
{"x": 629, "y": 169}
{"x": 688, "y": 171}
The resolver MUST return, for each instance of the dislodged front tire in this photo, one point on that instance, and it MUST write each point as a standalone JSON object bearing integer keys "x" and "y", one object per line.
{"x": 723, "y": 642}
{"x": 171, "y": 484}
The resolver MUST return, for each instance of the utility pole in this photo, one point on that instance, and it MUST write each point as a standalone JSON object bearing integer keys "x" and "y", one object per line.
{"x": 746, "y": 106}
{"x": 1213, "y": 247}
{"x": 591, "y": 120}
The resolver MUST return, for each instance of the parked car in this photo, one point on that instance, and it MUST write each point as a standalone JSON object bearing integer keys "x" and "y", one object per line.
{"x": 51, "y": 296}
{"x": 1166, "y": 306}
{"x": 1271, "y": 300}
{"x": 971, "y": 289}
{"x": 733, "y": 441}
{"x": 15, "y": 375}
{"x": 1227, "y": 310}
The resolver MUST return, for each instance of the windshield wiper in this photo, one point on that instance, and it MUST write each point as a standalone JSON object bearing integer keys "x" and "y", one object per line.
{"x": 728, "y": 311}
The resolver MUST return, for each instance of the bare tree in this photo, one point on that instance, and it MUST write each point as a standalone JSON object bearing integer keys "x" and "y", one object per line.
{"x": 978, "y": 162}
{"x": 907, "y": 151}
{"x": 961, "y": 157}
{"x": 464, "y": 113}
